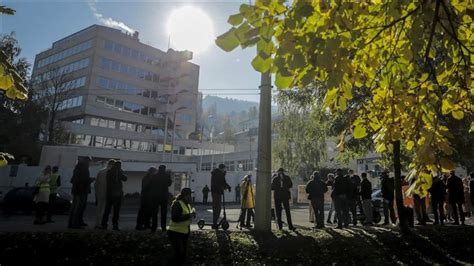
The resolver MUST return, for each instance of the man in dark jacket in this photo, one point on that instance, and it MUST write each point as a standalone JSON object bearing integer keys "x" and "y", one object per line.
{"x": 438, "y": 193}
{"x": 354, "y": 198}
{"x": 366, "y": 195}
{"x": 281, "y": 185}
{"x": 205, "y": 193}
{"x": 316, "y": 189}
{"x": 340, "y": 194}
{"x": 456, "y": 196}
{"x": 471, "y": 188}
{"x": 388, "y": 194}
{"x": 218, "y": 185}
{"x": 144, "y": 212}
{"x": 81, "y": 187}
{"x": 115, "y": 177}
{"x": 159, "y": 197}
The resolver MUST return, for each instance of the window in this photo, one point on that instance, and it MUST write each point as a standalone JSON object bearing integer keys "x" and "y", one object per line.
{"x": 125, "y": 69}
{"x": 94, "y": 121}
{"x": 70, "y": 103}
{"x": 206, "y": 167}
{"x": 64, "y": 70}
{"x": 65, "y": 53}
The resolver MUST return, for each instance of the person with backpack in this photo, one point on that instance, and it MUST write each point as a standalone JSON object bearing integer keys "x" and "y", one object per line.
{"x": 316, "y": 189}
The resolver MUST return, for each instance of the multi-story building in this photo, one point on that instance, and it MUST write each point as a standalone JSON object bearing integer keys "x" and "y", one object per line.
{"x": 123, "y": 93}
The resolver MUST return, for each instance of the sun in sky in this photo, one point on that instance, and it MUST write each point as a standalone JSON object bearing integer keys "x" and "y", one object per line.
{"x": 190, "y": 28}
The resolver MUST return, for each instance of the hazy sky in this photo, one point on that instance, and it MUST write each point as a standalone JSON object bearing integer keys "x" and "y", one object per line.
{"x": 39, "y": 23}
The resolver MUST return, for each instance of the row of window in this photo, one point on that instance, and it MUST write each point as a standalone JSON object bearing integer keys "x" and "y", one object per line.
{"x": 70, "y": 103}
{"x": 74, "y": 66}
{"x": 65, "y": 53}
{"x": 184, "y": 118}
{"x": 242, "y": 165}
{"x": 129, "y": 107}
{"x": 107, "y": 142}
{"x": 129, "y": 70}
{"x": 129, "y": 52}
{"x": 79, "y": 121}
{"x": 111, "y": 84}
{"x": 133, "y": 127}
{"x": 70, "y": 85}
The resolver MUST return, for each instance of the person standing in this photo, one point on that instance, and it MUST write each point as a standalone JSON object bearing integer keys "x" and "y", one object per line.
{"x": 115, "y": 177}
{"x": 144, "y": 212}
{"x": 281, "y": 185}
{"x": 100, "y": 187}
{"x": 218, "y": 185}
{"x": 248, "y": 201}
{"x": 316, "y": 189}
{"x": 388, "y": 194}
{"x": 366, "y": 195}
{"x": 419, "y": 199}
{"x": 330, "y": 183}
{"x": 471, "y": 189}
{"x": 467, "y": 196}
{"x": 42, "y": 195}
{"x": 179, "y": 229}
{"x": 340, "y": 194}
{"x": 54, "y": 183}
{"x": 354, "y": 197}
{"x": 456, "y": 196}
{"x": 81, "y": 187}
{"x": 438, "y": 193}
{"x": 205, "y": 194}
{"x": 237, "y": 193}
{"x": 159, "y": 197}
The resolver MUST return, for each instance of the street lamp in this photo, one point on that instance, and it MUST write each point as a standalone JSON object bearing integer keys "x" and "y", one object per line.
{"x": 174, "y": 130}
{"x": 166, "y": 120}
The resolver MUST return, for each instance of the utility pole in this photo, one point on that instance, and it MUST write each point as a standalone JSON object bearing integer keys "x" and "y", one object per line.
{"x": 264, "y": 160}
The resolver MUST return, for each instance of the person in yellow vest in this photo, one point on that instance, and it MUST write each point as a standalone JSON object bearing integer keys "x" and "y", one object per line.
{"x": 54, "y": 183}
{"x": 248, "y": 201}
{"x": 41, "y": 198}
{"x": 179, "y": 228}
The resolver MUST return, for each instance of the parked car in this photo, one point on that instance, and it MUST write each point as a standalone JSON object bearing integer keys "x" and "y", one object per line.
{"x": 377, "y": 207}
{"x": 20, "y": 199}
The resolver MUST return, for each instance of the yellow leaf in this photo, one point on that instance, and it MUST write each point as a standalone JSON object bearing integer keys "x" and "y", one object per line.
{"x": 6, "y": 82}
{"x": 360, "y": 132}
{"x": 471, "y": 130}
{"x": 458, "y": 114}
{"x": 410, "y": 145}
{"x": 11, "y": 93}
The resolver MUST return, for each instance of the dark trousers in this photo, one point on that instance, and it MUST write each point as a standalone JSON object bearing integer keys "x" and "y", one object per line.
{"x": 245, "y": 212}
{"x": 420, "y": 209}
{"x": 318, "y": 208}
{"x": 160, "y": 206}
{"x": 237, "y": 197}
{"x": 115, "y": 202}
{"x": 204, "y": 199}
{"x": 52, "y": 201}
{"x": 76, "y": 215}
{"x": 353, "y": 204}
{"x": 216, "y": 207}
{"x": 144, "y": 214}
{"x": 342, "y": 211}
{"x": 438, "y": 210}
{"x": 457, "y": 206}
{"x": 41, "y": 208}
{"x": 388, "y": 211}
{"x": 286, "y": 204}
{"x": 179, "y": 243}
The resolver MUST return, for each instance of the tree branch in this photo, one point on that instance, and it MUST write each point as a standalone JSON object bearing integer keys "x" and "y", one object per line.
{"x": 453, "y": 33}
{"x": 433, "y": 28}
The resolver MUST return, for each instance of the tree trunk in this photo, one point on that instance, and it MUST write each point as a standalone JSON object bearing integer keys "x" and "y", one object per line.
{"x": 402, "y": 219}
{"x": 51, "y": 128}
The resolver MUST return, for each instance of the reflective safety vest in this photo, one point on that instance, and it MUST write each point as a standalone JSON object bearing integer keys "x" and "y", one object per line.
{"x": 181, "y": 227}
{"x": 43, "y": 184}
{"x": 53, "y": 183}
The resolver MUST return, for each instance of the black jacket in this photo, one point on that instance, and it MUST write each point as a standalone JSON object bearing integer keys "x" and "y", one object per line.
{"x": 355, "y": 192}
{"x": 437, "y": 190}
{"x": 316, "y": 189}
{"x": 81, "y": 181}
{"x": 342, "y": 187}
{"x": 388, "y": 188}
{"x": 146, "y": 186}
{"x": 159, "y": 186}
{"x": 218, "y": 182}
{"x": 115, "y": 177}
{"x": 281, "y": 184}
{"x": 455, "y": 189}
{"x": 205, "y": 191}
{"x": 366, "y": 189}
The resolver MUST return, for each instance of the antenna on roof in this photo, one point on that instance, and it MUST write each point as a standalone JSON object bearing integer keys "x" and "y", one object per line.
{"x": 169, "y": 41}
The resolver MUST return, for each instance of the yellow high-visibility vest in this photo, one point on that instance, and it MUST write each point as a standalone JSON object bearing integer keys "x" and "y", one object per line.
{"x": 53, "y": 183}
{"x": 181, "y": 227}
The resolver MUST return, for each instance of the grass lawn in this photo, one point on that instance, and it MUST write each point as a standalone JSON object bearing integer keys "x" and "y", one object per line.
{"x": 425, "y": 245}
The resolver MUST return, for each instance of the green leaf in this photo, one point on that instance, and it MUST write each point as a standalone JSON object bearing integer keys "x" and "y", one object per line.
{"x": 410, "y": 145}
{"x": 228, "y": 41}
{"x": 250, "y": 42}
{"x": 458, "y": 114}
{"x": 360, "y": 132}
{"x": 236, "y": 19}
{"x": 283, "y": 82}
{"x": 260, "y": 64}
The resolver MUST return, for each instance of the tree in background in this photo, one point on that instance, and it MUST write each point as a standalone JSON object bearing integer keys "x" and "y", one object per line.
{"x": 412, "y": 58}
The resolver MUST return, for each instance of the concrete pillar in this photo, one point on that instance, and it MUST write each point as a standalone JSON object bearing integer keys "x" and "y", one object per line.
{"x": 263, "y": 181}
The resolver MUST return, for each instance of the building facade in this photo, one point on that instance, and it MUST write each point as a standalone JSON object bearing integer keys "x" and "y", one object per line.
{"x": 121, "y": 93}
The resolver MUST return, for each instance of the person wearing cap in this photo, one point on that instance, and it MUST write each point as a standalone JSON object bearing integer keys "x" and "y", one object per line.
{"x": 101, "y": 192}
{"x": 81, "y": 187}
{"x": 218, "y": 185}
{"x": 316, "y": 189}
{"x": 248, "y": 201}
{"x": 281, "y": 185}
{"x": 159, "y": 197}
{"x": 179, "y": 229}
